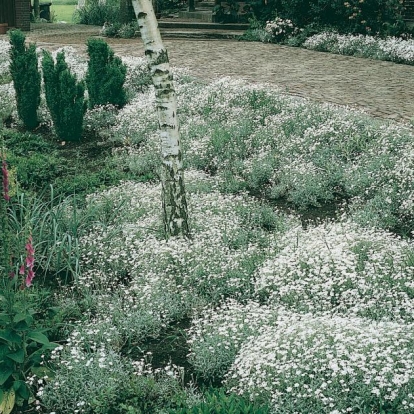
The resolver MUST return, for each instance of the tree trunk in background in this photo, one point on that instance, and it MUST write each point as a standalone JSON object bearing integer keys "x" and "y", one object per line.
{"x": 172, "y": 175}
{"x": 126, "y": 11}
{"x": 36, "y": 10}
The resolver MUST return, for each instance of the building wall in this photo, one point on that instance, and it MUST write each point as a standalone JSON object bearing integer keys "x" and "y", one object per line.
{"x": 7, "y": 12}
{"x": 22, "y": 14}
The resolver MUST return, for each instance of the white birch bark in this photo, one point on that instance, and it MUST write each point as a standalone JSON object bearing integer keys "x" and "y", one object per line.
{"x": 172, "y": 174}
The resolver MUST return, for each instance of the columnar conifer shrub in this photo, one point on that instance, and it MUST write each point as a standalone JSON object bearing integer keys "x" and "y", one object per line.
{"x": 64, "y": 97}
{"x": 105, "y": 76}
{"x": 26, "y": 78}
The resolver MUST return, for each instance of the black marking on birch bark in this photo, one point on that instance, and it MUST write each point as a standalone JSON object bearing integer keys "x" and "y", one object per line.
{"x": 149, "y": 52}
{"x": 159, "y": 72}
{"x": 163, "y": 92}
{"x": 163, "y": 108}
{"x": 167, "y": 126}
{"x": 161, "y": 58}
{"x": 142, "y": 15}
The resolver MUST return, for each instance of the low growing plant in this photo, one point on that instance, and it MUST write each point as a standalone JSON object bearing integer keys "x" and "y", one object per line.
{"x": 217, "y": 401}
{"x": 327, "y": 364}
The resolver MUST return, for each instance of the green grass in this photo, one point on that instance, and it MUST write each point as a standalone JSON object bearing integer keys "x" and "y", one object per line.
{"x": 63, "y": 12}
{"x": 65, "y": 2}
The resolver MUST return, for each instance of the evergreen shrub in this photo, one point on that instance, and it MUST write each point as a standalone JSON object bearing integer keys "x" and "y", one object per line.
{"x": 26, "y": 78}
{"x": 106, "y": 75}
{"x": 64, "y": 97}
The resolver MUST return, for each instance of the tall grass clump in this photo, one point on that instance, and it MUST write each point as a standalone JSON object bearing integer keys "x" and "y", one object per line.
{"x": 26, "y": 78}
{"x": 96, "y": 12}
{"x": 106, "y": 75}
{"x": 64, "y": 97}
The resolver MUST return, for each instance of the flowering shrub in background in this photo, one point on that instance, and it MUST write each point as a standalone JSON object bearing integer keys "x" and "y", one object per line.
{"x": 280, "y": 29}
{"x": 384, "y": 17}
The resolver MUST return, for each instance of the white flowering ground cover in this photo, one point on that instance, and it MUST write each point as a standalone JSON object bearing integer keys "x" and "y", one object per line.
{"x": 309, "y": 319}
{"x": 392, "y": 48}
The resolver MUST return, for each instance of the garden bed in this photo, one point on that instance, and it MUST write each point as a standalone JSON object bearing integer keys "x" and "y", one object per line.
{"x": 288, "y": 313}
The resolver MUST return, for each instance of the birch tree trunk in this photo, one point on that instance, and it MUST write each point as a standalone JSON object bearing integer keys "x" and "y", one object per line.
{"x": 172, "y": 175}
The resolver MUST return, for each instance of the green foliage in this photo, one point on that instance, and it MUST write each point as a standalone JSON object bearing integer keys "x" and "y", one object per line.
{"x": 170, "y": 6}
{"x": 89, "y": 169}
{"x": 97, "y": 12}
{"x": 112, "y": 386}
{"x": 105, "y": 77}
{"x": 231, "y": 12}
{"x": 55, "y": 225}
{"x": 26, "y": 78}
{"x": 151, "y": 393}
{"x": 384, "y": 17}
{"x": 22, "y": 341}
{"x": 33, "y": 172}
{"x": 217, "y": 401}
{"x": 94, "y": 386}
{"x": 111, "y": 29}
{"x": 89, "y": 181}
{"x": 64, "y": 97}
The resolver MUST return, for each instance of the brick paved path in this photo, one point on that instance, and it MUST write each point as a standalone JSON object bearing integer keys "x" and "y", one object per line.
{"x": 383, "y": 89}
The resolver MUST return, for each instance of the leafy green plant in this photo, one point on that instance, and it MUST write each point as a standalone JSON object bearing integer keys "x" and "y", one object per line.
{"x": 22, "y": 342}
{"x": 64, "y": 97}
{"x": 26, "y": 78}
{"x": 111, "y": 29}
{"x": 96, "y": 12}
{"x": 105, "y": 77}
{"x": 128, "y": 30}
{"x": 217, "y": 401}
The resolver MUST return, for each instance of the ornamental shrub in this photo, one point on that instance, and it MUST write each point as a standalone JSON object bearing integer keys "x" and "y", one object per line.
{"x": 384, "y": 17}
{"x": 64, "y": 97}
{"x": 97, "y": 12}
{"x": 106, "y": 75}
{"x": 26, "y": 78}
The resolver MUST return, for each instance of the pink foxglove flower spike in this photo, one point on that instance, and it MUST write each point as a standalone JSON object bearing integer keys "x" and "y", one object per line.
{"x": 5, "y": 175}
